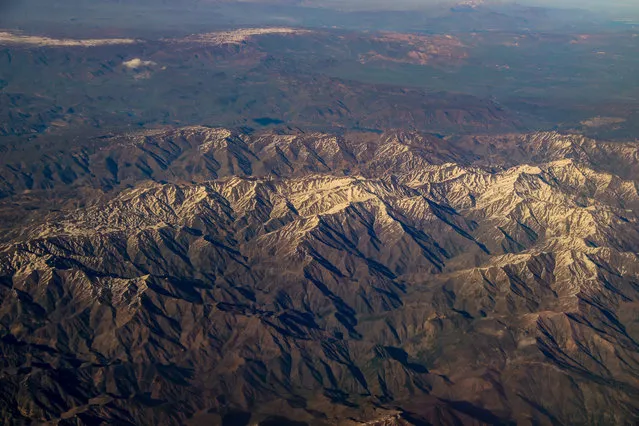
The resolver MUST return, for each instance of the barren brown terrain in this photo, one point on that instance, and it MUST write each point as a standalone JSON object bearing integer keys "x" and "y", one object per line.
{"x": 318, "y": 213}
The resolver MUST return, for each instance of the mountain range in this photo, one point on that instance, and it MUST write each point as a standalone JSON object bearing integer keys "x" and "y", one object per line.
{"x": 287, "y": 277}
{"x": 301, "y": 213}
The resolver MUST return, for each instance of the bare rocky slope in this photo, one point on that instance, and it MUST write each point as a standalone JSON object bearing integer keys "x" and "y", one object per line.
{"x": 225, "y": 277}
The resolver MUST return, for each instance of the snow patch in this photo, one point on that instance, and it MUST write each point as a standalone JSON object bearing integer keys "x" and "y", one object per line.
{"x": 13, "y": 38}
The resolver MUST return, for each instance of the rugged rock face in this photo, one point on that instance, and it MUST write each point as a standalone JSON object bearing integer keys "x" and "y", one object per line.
{"x": 234, "y": 278}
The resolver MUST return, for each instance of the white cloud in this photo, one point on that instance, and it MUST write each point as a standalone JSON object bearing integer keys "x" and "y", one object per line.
{"x": 137, "y": 63}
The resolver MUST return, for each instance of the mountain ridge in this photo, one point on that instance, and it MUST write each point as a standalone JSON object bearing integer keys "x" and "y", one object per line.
{"x": 403, "y": 293}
